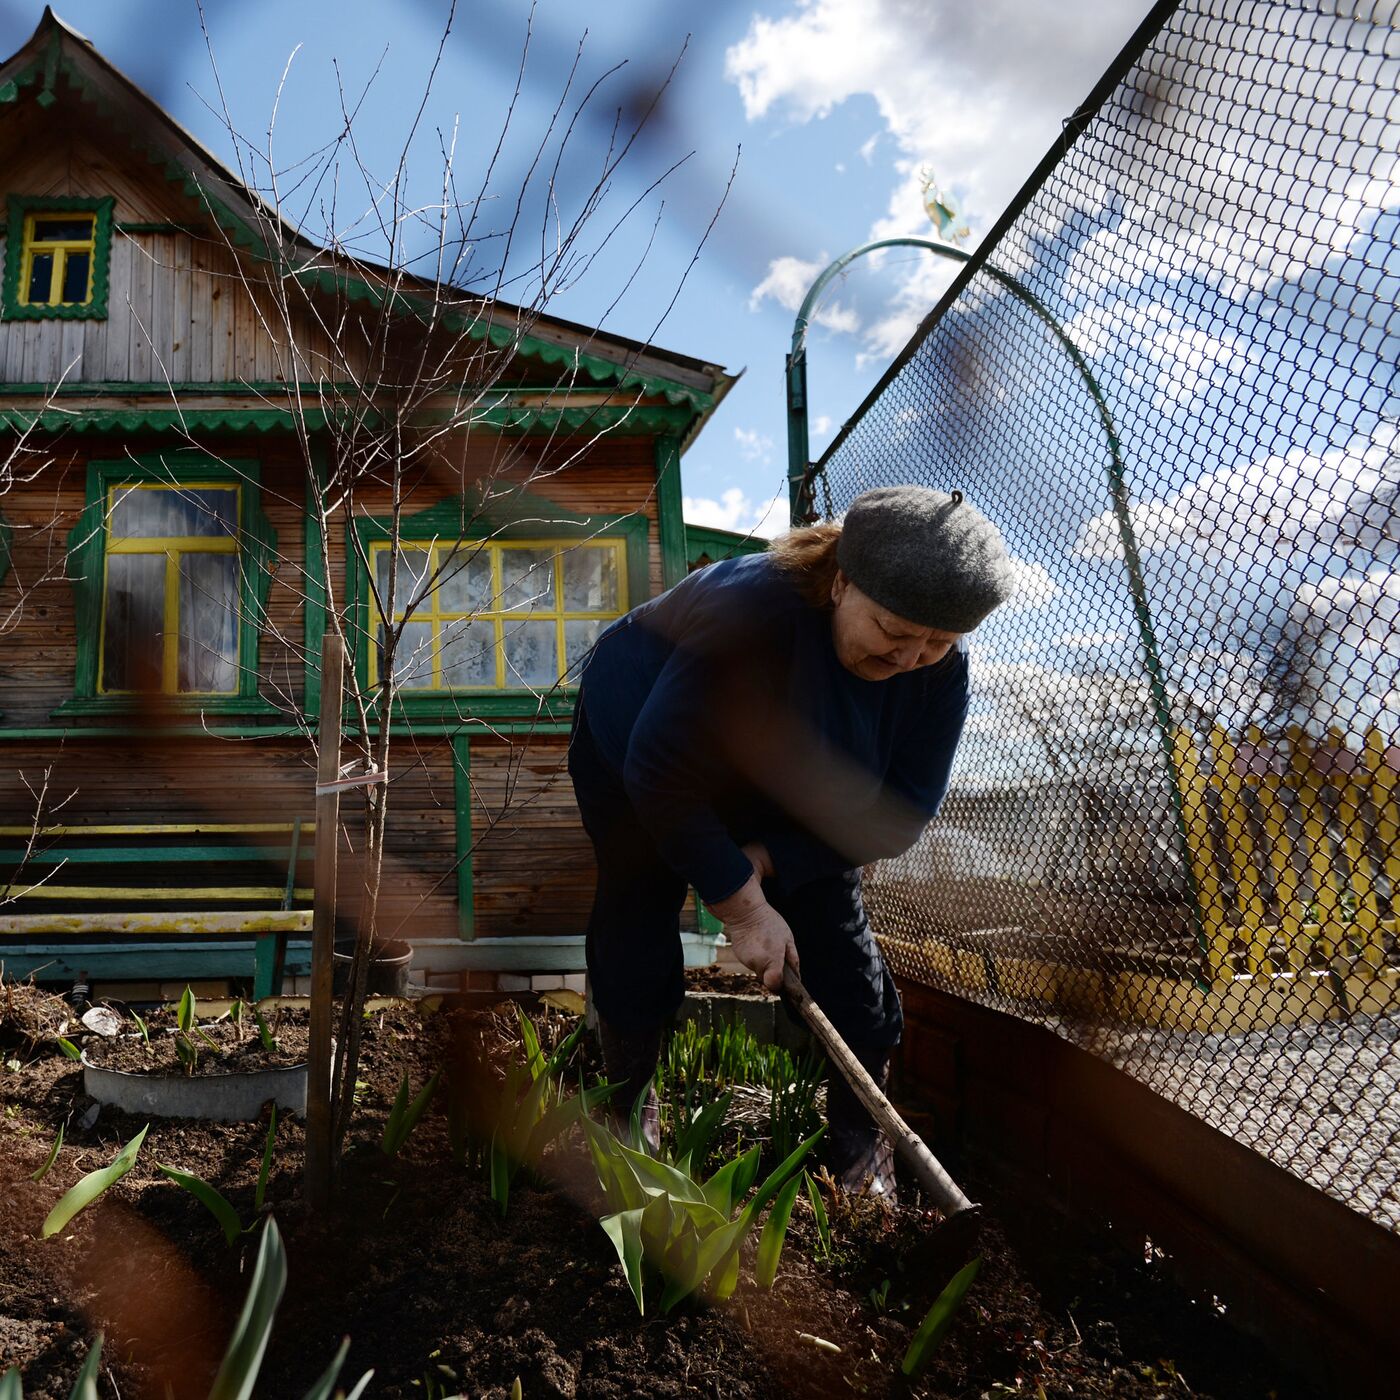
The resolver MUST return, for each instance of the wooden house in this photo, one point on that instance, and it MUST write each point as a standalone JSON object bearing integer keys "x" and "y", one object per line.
{"x": 170, "y": 420}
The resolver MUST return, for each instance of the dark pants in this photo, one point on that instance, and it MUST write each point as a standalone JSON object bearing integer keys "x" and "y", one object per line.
{"x": 635, "y": 966}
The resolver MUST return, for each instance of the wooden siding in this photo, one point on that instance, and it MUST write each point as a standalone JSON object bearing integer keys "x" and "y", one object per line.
{"x": 181, "y": 306}
{"x": 134, "y": 781}
{"x": 419, "y": 891}
{"x": 533, "y": 864}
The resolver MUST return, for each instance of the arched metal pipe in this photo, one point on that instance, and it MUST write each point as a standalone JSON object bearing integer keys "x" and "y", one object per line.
{"x": 801, "y": 471}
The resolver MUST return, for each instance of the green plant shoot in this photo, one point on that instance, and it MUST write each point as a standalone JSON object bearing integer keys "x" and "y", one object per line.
{"x": 239, "y": 1369}
{"x": 269, "y": 1041}
{"x": 404, "y": 1116}
{"x": 260, "y": 1195}
{"x": 51, "y": 1158}
{"x": 940, "y": 1317}
{"x": 770, "y": 1242}
{"x": 68, "y": 1048}
{"x": 814, "y": 1195}
{"x": 682, "y": 1229}
{"x": 92, "y": 1186}
{"x": 209, "y": 1197}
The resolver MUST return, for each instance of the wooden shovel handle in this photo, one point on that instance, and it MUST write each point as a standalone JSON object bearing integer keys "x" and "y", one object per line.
{"x": 941, "y": 1189}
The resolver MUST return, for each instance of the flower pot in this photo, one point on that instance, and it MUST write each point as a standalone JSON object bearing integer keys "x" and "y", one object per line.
{"x": 388, "y": 969}
{"x": 228, "y": 1098}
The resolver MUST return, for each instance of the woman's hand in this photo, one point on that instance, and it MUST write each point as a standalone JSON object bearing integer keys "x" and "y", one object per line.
{"x": 760, "y": 935}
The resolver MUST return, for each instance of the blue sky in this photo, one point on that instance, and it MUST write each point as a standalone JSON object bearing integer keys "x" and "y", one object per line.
{"x": 826, "y": 111}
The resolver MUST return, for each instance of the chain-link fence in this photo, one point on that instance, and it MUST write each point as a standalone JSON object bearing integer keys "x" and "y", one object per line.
{"x": 1169, "y": 377}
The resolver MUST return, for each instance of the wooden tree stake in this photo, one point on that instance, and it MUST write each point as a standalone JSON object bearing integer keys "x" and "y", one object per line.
{"x": 319, "y": 1170}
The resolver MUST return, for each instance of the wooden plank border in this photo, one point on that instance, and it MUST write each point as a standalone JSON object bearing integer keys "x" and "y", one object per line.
{"x": 1294, "y": 1266}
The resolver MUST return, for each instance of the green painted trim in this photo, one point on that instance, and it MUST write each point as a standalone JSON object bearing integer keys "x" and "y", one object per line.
{"x": 59, "y": 853}
{"x": 555, "y": 706}
{"x": 627, "y": 421}
{"x": 713, "y": 544}
{"x": 462, "y": 791}
{"x": 502, "y": 336}
{"x": 86, "y": 547}
{"x": 520, "y": 514}
{"x": 19, "y": 205}
{"x": 143, "y": 962}
{"x": 670, "y": 511}
{"x": 313, "y": 615}
{"x": 227, "y": 706}
{"x": 420, "y": 727}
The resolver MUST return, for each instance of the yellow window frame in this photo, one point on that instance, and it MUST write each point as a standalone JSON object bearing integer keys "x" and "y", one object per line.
{"x": 429, "y": 611}
{"x": 172, "y": 547}
{"x": 60, "y": 248}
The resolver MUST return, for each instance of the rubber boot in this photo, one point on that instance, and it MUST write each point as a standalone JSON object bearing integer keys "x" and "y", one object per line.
{"x": 858, "y": 1154}
{"x": 629, "y": 1060}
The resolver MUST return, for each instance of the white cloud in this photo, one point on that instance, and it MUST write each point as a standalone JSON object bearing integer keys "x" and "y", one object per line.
{"x": 788, "y": 282}
{"x": 1090, "y": 641}
{"x": 735, "y": 511}
{"x": 1034, "y": 586}
{"x": 754, "y": 446}
{"x": 1281, "y": 507}
{"x": 867, "y": 148}
{"x": 1346, "y": 666}
{"x": 821, "y": 425}
{"x": 974, "y": 92}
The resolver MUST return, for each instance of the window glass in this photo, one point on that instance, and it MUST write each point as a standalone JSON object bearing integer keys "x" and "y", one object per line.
{"x": 413, "y": 661}
{"x": 62, "y": 230}
{"x": 579, "y": 635}
{"x": 133, "y": 622}
{"x": 415, "y": 568}
{"x": 502, "y": 615}
{"x": 208, "y": 658}
{"x": 40, "y": 278}
{"x": 530, "y": 654}
{"x": 171, "y": 612}
{"x": 468, "y": 654}
{"x": 162, "y": 512}
{"x": 75, "y": 277}
{"x": 57, "y": 259}
{"x": 465, "y": 586}
{"x": 590, "y": 580}
{"x": 527, "y": 580}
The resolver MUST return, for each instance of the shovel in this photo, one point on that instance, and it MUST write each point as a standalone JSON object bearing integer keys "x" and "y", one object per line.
{"x": 937, "y": 1185}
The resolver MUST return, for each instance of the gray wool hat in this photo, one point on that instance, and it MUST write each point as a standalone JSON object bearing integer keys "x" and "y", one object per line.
{"x": 926, "y": 555}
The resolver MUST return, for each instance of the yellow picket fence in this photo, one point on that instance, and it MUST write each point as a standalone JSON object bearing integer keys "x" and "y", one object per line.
{"x": 1295, "y": 849}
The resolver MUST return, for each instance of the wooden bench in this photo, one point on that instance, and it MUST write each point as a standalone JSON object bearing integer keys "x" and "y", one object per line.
{"x": 48, "y": 865}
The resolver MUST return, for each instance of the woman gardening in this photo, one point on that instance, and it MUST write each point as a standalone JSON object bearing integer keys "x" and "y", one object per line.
{"x": 762, "y": 731}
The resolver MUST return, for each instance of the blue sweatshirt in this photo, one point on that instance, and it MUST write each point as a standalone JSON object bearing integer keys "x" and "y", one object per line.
{"x": 724, "y": 711}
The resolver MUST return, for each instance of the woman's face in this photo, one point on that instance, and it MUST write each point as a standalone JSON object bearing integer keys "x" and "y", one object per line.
{"x": 874, "y": 643}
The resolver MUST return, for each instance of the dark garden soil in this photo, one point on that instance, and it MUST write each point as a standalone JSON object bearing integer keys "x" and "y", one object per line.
{"x": 440, "y": 1294}
{"x": 236, "y": 1048}
{"x": 721, "y": 979}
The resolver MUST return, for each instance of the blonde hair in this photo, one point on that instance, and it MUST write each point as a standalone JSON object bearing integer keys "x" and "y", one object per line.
{"x": 809, "y": 556}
